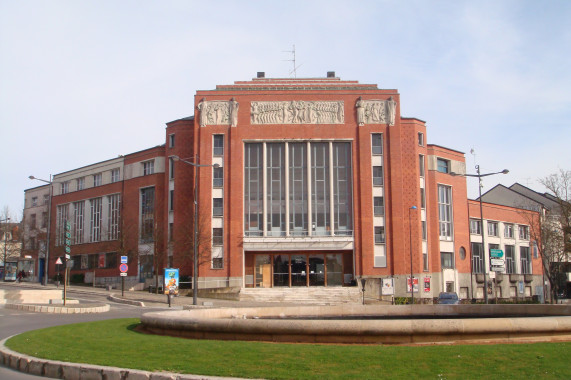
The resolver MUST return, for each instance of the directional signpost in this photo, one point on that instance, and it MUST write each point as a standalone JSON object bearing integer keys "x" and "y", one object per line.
{"x": 496, "y": 253}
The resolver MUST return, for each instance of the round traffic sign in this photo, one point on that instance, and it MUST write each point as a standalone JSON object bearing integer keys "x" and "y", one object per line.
{"x": 123, "y": 268}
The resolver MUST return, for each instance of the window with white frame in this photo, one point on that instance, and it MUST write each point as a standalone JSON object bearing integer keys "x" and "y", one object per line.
{"x": 65, "y": 187}
{"x": 510, "y": 259}
{"x": 149, "y": 167}
{"x": 217, "y": 207}
{"x": 115, "y": 173}
{"x": 377, "y": 144}
{"x": 377, "y": 176}
{"x": 96, "y": 205}
{"x": 218, "y": 148}
{"x": 475, "y": 227}
{"x": 114, "y": 216}
{"x": 80, "y": 182}
{"x": 445, "y": 211}
{"x": 508, "y": 231}
{"x": 442, "y": 165}
{"x": 97, "y": 179}
{"x": 378, "y": 206}
{"x": 217, "y": 177}
{"x": 78, "y": 221}
{"x": 380, "y": 235}
{"x": 525, "y": 260}
{"x": 523, "y": 232}
{"x": 492, "y": 228}
{"x": 447, "y": 260}
{"x": 477, "y": 258}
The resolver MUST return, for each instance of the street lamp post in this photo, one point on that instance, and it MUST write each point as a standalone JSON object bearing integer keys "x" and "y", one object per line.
{"x": 5, "y": 245}
{"x": 410, "y": 236}
{"x": 46, "y": 264}
{"x": 195, "y": 236}
{"x": 480, "y": 185}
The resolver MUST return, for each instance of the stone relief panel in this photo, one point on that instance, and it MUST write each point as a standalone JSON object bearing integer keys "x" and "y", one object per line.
{"x": 297, "y": 112}
{"x": 218, "y": 112}
{"x": 376, "y": 111}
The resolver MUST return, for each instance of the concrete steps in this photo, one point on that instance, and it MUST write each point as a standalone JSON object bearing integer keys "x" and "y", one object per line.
{"x": 304, "y": 295}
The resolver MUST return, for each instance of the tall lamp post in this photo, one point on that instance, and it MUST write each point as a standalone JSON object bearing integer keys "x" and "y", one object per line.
{"x": 410, "y": 236}
{"x": 47, "y": 258}
{"x": 195, "y": 236}
{"x": 5, "y": 245}
{"x": 480, "y": 185}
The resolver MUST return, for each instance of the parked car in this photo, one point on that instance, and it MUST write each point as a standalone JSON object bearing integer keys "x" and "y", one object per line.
{"x": 448, "y": 298}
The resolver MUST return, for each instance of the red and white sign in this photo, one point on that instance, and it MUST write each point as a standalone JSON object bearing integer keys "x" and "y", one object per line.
{"x": 58, "y": 261}
{"x": 123, "y": 268}
{"x": 427, "y": 284}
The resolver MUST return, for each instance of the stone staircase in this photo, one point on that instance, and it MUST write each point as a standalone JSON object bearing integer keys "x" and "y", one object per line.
{"x": 304, "y": 295}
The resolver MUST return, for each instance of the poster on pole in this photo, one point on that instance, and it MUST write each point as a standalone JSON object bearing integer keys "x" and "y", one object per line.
{"x": 427, "y": 284}
{"x": 388, "y": 286}
{"x": 171, "y": 281}
{"x": 415, "y": 284}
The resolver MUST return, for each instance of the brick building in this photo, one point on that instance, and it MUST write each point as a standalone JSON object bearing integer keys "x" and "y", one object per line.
{"x": 303, "y": 182}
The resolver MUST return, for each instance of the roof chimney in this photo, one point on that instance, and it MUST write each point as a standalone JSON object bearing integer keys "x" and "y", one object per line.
{"x": 261, "y": 74}
{"x": 331, "y": 74}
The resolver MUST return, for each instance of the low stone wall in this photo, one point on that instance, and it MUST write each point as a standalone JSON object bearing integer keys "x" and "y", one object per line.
{"x": 403, "y": 324}
{"x": 20, "y": 296}
{"x": 60, "y": 309}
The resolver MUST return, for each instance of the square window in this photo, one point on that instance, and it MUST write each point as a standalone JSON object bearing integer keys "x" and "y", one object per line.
{"x": 447, "y": 260}
{"x": 442, "y": 165}
{"x": 475, "y": 227}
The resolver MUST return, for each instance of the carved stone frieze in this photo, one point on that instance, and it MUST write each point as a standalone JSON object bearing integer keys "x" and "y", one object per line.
{"x": 297, "y": 112}
{"x": 218, "y": 112}
{"x": 375, "y": 111}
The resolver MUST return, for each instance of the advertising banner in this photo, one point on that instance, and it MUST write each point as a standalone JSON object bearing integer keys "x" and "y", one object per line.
{"x": 171, "y": 281}
{"x": 388, "y": 287}
{"x": 427, "y": 284}
{"x": 415, "y": 282}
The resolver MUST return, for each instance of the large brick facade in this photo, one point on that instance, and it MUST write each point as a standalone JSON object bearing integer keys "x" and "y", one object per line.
{"x": 373, "y": 201}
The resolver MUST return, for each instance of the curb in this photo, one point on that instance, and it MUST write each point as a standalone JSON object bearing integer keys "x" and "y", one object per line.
{"x": 113, "y": 298}
{"x": 58, "y": 309}
{"x": 64, "y": 370}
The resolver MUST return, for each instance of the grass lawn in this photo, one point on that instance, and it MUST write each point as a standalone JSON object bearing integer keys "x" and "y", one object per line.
{"x": 114, "y": 343}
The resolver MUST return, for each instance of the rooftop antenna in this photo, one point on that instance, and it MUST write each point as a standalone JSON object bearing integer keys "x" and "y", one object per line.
{"x": 294, "y": 71}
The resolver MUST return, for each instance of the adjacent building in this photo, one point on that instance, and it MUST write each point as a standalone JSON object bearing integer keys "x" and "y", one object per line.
{"x": 314, "y": 182}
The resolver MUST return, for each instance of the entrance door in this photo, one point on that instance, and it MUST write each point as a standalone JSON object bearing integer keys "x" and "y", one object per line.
{"x": 41, "y": 271}
{"x": 298, "y": 270}
{"x": 281, "y": 270}
{"x": 316, "y": 270}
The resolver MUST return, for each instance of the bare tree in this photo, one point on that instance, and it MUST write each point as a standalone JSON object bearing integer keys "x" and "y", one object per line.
{"x": 11, "y": 237}
{"x": 555, "y": 229}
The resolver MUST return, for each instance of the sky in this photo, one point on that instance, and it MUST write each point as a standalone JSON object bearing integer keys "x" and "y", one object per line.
{"x": 85, "y": 81}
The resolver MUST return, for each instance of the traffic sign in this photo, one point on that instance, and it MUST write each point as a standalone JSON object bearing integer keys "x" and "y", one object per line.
{"x": 123, "y": 274}
{"x": 58, "y": 261}
{"x": 498, "y": 269}
{"x": 67, "y": 257}
{"x": 497, "y": 253}
{"x": 67, "y": 249}
{"x": 124, "y": 259}
{"x": 123, "y": 268}
{"x": 499, "y": 262}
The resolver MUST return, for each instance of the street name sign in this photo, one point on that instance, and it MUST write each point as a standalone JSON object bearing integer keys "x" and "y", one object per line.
{"x": 498, "y": 269}
{"x": 497, "y": 253}
{"x": 499, "y": 262}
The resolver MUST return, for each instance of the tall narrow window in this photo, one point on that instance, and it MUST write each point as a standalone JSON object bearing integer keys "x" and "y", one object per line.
{"x": 421, "y": 165}
{"x": 509, "y": 231}
{"x": 171, "y": 141}
{"x": 420, "y": 139}
{"x": 445, "y": 211}
{"x": 62, "y": 216}
{"x": 97, "y": 180}
{"x": 379, "y": 235}
{"x": 510, "y": 259}
{"x": 81, "y": 183}
{"x": 425, "y": 261}
{"x": 217, "y": 177}
{"x": 378, "y": 206}
{"x": 78, "y": 221}
{"x": 147, "y": 214}
{"x": 422, "y": 198}
{"x": 217, "y": 238}
{"x": 320, "y": 188}
{"x": 114, "y": 216}
{"x": 523, "y": 232}
{"x": 424, "y": 230}
{"x": 298, "y": 216}
{"x": 96, "y": 205}
{"x": 342, "y": 189}
{"x": 253, "y": 190}
{"x": 44, "y": 219}
{"x": 377, "y": 176}
{"x": 218, "y": 149}
{"x": 115, "y": 173}
{"x": 377, "y": 143}
{"x": 525, "y": 260}
{"x": 171, "y": 200}
{"x": 492, "y": 228}
{"x": 475, "y": 227}
{"x": 171, "y": 168}
{"x": 217, "y": 207}
{"x": 275, "y": 183}
{"x": 65, "y": 187}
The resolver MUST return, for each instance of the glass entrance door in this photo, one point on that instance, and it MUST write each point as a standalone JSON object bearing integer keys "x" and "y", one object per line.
{"x": 316, "y": 270}
{"x": 298, "y": 270}
{"x": 281, "y": 270}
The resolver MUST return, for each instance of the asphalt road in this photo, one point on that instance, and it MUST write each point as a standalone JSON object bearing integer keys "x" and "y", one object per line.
{"x": 14, "y": 322}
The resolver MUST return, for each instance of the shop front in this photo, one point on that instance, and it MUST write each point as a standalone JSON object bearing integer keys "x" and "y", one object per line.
{"x": 294, "y": 269}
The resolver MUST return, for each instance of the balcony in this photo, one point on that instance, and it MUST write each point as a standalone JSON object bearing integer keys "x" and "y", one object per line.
{"x": 528, "y": 277}
{"x": 515, "y": 277}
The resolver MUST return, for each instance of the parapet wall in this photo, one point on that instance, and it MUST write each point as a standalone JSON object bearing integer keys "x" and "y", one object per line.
{"x": 19, "y": 296}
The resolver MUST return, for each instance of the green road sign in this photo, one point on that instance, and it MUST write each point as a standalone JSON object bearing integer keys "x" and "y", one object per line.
{"x": 496, "y": 253}
{"x": 67, "y": 249}
{"x": 68, "y": 225}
